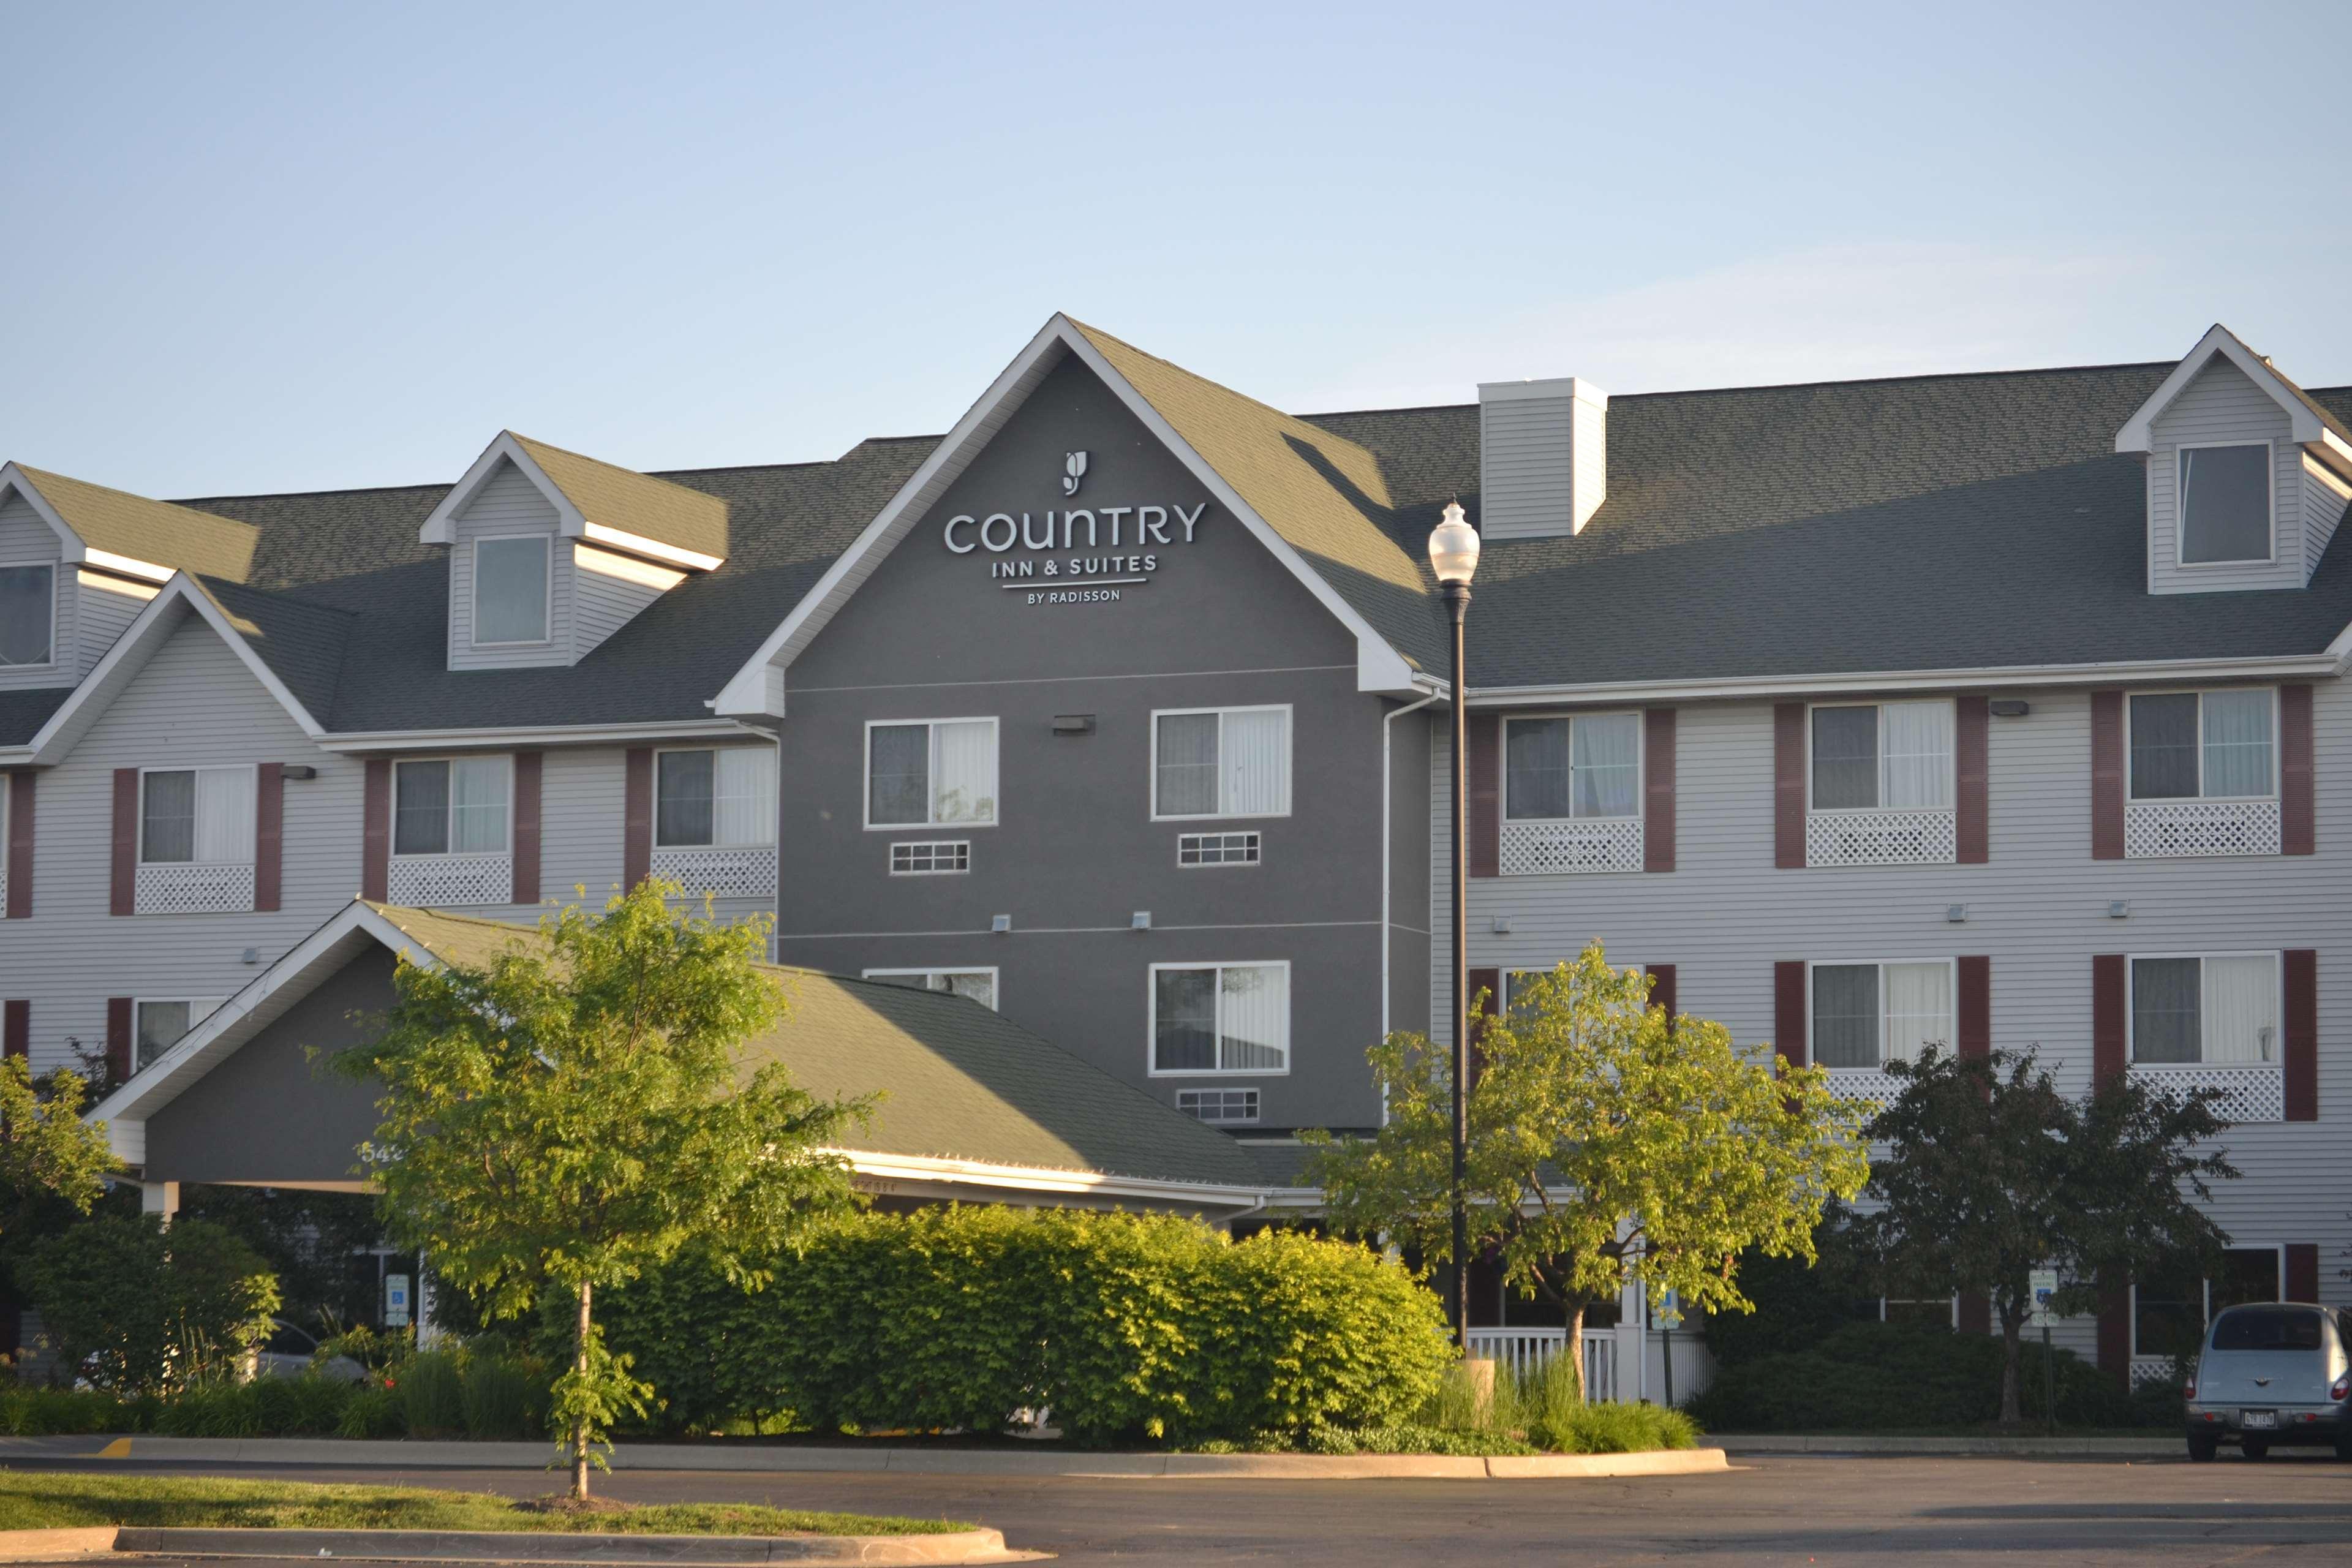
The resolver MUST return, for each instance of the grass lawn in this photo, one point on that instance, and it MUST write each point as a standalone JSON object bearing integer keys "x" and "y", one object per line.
{"x": 55, "y": 1500}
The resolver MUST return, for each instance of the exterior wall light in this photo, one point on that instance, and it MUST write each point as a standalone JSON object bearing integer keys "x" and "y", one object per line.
{"x": 2118, "y": 910}
{"x": 1000, "y": 924}
{"x": 1140, "y": 921}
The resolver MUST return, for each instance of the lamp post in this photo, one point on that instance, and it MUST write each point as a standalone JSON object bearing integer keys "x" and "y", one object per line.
{"x": 1453, "y": 557}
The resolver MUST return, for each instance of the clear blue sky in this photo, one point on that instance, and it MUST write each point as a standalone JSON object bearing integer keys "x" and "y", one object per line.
{"x": 277, "y": 248}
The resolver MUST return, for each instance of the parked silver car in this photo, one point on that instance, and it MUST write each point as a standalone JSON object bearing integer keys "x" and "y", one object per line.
{"x": 2272, "y": 1373}
{"x": 289, "y": 1351}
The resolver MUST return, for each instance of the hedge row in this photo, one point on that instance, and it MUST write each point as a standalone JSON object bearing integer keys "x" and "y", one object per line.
{"x": 465, "y": 1393}
{"x": 1865, "y": 1375}
{"x": 1125, "y": 1327}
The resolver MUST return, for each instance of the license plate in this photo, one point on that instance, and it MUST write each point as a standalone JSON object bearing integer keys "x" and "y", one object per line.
{"x": 2258, "y": 1419}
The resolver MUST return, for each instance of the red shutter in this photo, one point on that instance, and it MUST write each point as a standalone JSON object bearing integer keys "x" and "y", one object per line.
{"x": 2297, "y": 834}
{"x": 1972, "y": 768}
{"x": 122, "y": 896}
{"x": 1975, "y": 1008}
{"x": 2300, "y": 972}
{"x": 1662, "y": 988}
{"x": 2107, "y": 775}
{"x": 2115, "y": 1331}
{"x": 16, "y": 1028}
{"x": 2302, "y": 1271}
{"x": 269, "y": 834}
{"x": 1788, "y": 783}
{"x": 1484, "y": 752}
{"x": 375, "y": 831}
{"x": 637, "y": 817}
{"x": 118, "y": 1038}
{"x": 2110, "y": 1004}
{"x": 527, "y": 768}
{"x": 20, "y": 846}
{"x": 1658, "y": 789}
{"x": 1976, "y": 1312}
{"x": 1789, "y": 1012}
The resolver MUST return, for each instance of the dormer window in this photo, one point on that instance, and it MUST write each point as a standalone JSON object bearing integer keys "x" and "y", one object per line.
{"x": 2225, "y": 503}
{"x": 512, "y": 591}
{"x": 28, "y": 600}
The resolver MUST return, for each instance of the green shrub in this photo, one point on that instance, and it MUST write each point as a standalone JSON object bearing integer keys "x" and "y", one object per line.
{"x": 71, "y": 1412}
{"x": 503, "y": 1395}
{"x": 137, "y": 1308}
{"x": 431, "y": 1391}
{"x": 1869, "y": 1375}
{"x": 1409, "y": 1438}
{"x": 1613, "y": 1428}
{"x": 374, "y": 1410}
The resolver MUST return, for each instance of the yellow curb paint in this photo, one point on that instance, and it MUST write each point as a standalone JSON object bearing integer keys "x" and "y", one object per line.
{"x": 118, "y": 1449}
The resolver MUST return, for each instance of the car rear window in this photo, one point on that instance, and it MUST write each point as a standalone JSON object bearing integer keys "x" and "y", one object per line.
{"x": 2267, "y": 1329}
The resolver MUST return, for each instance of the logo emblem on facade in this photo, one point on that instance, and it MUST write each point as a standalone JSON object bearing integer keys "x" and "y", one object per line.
{"x": 1074, "y": 468}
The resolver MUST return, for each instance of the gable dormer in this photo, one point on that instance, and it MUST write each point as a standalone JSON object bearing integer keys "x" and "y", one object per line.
{"x": 551, "y": 552}
{"x": 79, "y": 562}
{"x": 2247, "y": 476}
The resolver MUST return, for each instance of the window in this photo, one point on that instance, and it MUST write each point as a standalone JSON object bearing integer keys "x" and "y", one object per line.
{"x": 456, "y": 807}
{"x": 930, "y": 772}
{"x": 722, "y": 798}
{"x": 511, "y": 589}
{"x": 937, "y": 857}
{"x": 977, "y": 984}
{"x": 2225, "y": 503}
{"x": 1232, "y": 762}
{"x": 2169, "y": 1312}
{"x": 28, "y": 604}
{"x": 159, "y": 1026}
{"x": 1589, "y": 765}
{"x": 2218, "y": 1007}
{"x": 1866, "y": 1015}
{"x": 1219, "y": 1106}
{"x": 1883, "y": 756}
{"x": 197, "y": 817}
{"x": 1931, "y": 1311}
{"x": 2210, "y": 745}
{"x": 1219, "y": 1017}
{"x": 1216, "y": 849}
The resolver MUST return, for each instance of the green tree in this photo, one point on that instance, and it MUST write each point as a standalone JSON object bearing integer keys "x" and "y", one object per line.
{"x": 53, "y": 1165}
{"x": 578, "y": 1108}
{"x": 140, "y": 1308}
{"x": 1609, "y": 1145}
{"x": 1990, "y": 1173}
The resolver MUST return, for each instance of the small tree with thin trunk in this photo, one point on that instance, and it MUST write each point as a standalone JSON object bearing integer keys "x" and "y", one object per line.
{"x": 1609, "y": 1144}
{"x": 1990, "y": 1173}
{"x": 576, "y": 1110}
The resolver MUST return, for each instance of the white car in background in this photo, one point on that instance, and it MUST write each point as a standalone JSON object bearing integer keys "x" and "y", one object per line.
{"x": 289, "y": 1351}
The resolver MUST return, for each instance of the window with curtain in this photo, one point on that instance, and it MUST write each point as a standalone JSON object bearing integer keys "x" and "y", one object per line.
{"x": 196, "y": 815}
{"x": 2220, "y": 1008}
{"x": 510, "y": 589}
{"x": 160, "y": 1024}
{"x": 932, "y": 773}
{"x": 1866, "y": 1015}
{"x": 976, "y": 984}
{"x": 1883, "y": 756}
{"x": 720, "y": 798}
{"x": 1222, "y": 1017}
{"x": 2225, "y": 503}
{"x": 2213, "y": 745}
{"x": 1233, "y": 761}
{"x": 1588, "y": 765}
{"x": 29, "y": 606}
{"x": 2171, "y": 1313}
{"x": 457, "y": 806}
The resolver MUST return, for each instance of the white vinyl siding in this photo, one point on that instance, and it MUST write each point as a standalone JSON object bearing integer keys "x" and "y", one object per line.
{"x": 506, "y": 505}
{"x": 608, "y": 590}
{"x": 722, "y": 797}
{"x": 2220, "y": 407}
{"x": 2326, "y": 494}
{"x": 1220, "y": 761}
{"x": 1219, "y": 1018}
{"x": 974, "y": 984}
{"x": 104, "y": 607}
{"x": 930, "y": 772}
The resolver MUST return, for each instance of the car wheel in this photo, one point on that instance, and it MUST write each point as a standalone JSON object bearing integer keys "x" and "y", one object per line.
{"x": 2344, "y": 1448}
{"x": 2256, "y": 1447}
{"x": 2202, "y": 1450}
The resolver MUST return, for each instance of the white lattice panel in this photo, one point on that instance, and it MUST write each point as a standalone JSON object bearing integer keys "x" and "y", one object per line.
{"x": 2253, "y": 1093}
{"x": 1551, "y": 848}
{"x": 3, "y": 880}
{"x": 1880, "y": 839}
{"x": 1862, "y": 1083}
{"x": 2164, "y": 829}
{"x": 193, "y": 890}
{"x": 744, "y": 873}
{"x": 429, "y": 881}
{"x": 2147, "y": 1369}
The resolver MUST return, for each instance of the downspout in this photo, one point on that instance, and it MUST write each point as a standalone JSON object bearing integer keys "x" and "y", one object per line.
{"x": 1388, "y": 838}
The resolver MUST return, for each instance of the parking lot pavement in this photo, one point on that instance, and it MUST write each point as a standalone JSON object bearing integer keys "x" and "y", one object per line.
{"x": 1776, "y": 1510}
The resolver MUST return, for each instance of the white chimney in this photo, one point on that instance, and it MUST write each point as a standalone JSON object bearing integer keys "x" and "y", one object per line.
{"x": 1543, "y": 456}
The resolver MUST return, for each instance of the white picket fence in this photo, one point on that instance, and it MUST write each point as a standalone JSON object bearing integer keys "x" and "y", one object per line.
{"x": 1524, "y": 1351}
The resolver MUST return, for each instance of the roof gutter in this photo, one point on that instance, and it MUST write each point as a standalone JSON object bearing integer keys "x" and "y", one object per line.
{"x": 357, "y": 742}
{"x": 1037, "y": 1179}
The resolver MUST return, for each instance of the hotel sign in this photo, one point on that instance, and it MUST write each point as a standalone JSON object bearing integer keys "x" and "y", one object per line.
{"x": 1075, "y": 556}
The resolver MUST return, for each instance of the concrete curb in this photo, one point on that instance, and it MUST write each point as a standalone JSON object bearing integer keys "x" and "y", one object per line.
{"x": 565, "y": 1546}
{"x": 2010, "y": 1447}
{"x": 49, "y": 1545}
{"x": 324, "y": 1453}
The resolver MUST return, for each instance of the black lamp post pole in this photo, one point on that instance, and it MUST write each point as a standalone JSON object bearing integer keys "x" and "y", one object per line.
{"x": 1457, "y": 603}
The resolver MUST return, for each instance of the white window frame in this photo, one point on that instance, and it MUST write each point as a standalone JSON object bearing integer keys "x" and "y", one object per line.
{"x": 931, "y": 804}
{"x": 1878, "y": 705}
{"x": 2131, "y": 1007}
{"x": 1151, "y": 1017}
{"x": 391, "y": 828}
{"x": 57, "y": 574}
{"x": 1290, "y": 763}
{"x": 2198, "y": 692}
{"x": 1885, "y": 1301}
{"x": 2278, "y": 1248}
{"x": 1813, "y": 1014}
{"x": 193, "y": 768}
{"x": 1256, "y": 847}
{"x": 1256, "y": 1119}
{"x": 1640, "y": 763}
{"x": 473, "y": 613}
{"x": 2180, "y": 507}
{"x": 140, "y": 1002}
{"x": 995, "y": 981}
{"x": 935, "y": 845}
{"x": 661, "y": 751}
